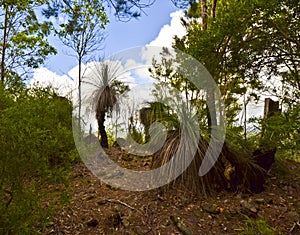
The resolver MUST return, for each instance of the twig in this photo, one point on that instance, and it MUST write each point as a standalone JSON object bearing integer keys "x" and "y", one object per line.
{"x": 132, "y": 208}
{"x": 294, "y": 226}
{"x": 124, "y": 204}
{"x": 10, "y": 197}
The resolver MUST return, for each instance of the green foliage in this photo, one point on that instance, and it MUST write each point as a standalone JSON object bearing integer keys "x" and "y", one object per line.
{"x": 35, "y": 144}
{"x": 283, "y": 131}
{"x": 24, "y": 43}
{"x": 84, "y": 22}
{"x": 239, "y": 53}
{"x": 136, "y": 135}
{"x": 257, "y": 227}
{"x": 81, "y": 31}
{"x": 110, "y": 131}
{"x": 224, "y": 40}
{"x": 124, "y": 10}
{"x": 235, "y": 139}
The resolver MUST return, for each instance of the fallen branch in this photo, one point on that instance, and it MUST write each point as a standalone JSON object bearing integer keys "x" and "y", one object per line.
{"x": 124, "y": 204}
{"x": 296, "y": 224}
{"x": 10, "y": 197}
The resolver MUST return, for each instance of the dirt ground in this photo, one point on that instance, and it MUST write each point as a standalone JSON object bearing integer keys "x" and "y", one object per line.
{"x": 88, "y": 206}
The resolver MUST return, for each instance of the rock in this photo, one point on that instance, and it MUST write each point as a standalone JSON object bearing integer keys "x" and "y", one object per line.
{"x": 250, "y": 206}
{"x": 91, "y": 139}
{"x": 259, "y": 200}
{"x": 212, "y": 209}
{"x": 180, "y": 225}
{"x": 92, "y": 223}
{"x": 120, "y": 142}
{"x": 125, "y": 222}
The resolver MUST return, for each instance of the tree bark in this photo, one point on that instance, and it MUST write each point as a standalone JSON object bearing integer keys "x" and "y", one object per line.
{"x": 204, "y": 14}
{"x": 213, "y": 8}
{"x": 4, "y": 45}
{"x": 79, "y": 92}
{"x": 210, "y": 93}
{"x": 211, "y": 108}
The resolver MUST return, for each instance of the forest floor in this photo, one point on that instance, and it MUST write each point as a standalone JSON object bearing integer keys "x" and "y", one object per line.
{"x": 88, "y": 206}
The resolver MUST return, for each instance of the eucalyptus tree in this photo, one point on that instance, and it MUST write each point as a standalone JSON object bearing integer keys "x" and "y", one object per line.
{"x": 81, "y": 30}
{"x": 24, "y": 43}
{"x": 245, "y": 43}
{"x": 220, "y": 41}
{"x": 124, "y": 10}
{"x": 128, "y": 9}
{"x": 278, "y": 29}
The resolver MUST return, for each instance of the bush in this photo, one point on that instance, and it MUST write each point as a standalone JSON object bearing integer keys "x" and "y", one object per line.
{"x": 35, "y": 143}
{"x": 283, "y": 131}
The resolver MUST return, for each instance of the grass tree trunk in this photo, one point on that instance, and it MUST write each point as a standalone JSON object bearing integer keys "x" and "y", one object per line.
{"x": 101, "y": 129}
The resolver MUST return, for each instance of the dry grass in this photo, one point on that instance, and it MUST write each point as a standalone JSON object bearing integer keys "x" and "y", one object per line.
{"x": 244, "y": 174}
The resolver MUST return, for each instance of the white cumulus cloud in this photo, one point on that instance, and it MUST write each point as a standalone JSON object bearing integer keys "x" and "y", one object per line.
{"x": 168, "y": 31}
{"x": 43, "y": 77}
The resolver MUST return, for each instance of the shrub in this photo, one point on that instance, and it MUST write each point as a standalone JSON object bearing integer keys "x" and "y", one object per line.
{"x": 35, "y": 143}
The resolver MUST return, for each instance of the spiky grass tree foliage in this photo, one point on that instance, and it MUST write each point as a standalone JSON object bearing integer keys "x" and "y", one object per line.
{"x": 101, "y": 94}
{"x": 234, "y": 170}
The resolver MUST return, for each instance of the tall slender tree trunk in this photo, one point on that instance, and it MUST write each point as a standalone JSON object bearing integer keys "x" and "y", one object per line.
{"x": 245, "y": 117}
{"x": 204, "y": 14}
{"x": 4, "y": 45}
{"x": 79, "y": 92}
{"x": 213, "y": 8}
{"x": 211, "y": 111}
{"x": 210, "y": 93}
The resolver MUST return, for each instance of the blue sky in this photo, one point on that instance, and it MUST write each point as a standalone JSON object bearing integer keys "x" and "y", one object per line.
{"x": 120, "y": 35}
{"x": 156, "y": 28}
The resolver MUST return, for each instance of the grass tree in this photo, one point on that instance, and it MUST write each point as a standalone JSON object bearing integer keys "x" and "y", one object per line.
{"x": 106, "y": 89}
